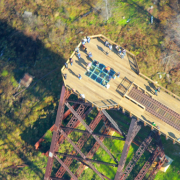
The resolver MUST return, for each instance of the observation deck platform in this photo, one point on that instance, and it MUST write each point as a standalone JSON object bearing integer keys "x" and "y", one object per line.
{"x": 118, "y": 94}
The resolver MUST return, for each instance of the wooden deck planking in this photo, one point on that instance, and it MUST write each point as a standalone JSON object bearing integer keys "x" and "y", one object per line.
{"x": 95, "y": 93}
{"x": 162, "y": 97}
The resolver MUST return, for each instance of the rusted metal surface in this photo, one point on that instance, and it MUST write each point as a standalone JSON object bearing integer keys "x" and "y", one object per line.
{"x": 73, "y": 144}
{"x": 156, "y": 168}
{"x": 148, "y": 164}
{"x": 91, "y": 153}
{"x": 80, "y": 144}
{"x": 156, "y": 108}
{"x": 80, "y": 102}
{"x": 133, "y": 130}
{"x": 64, "y": 95}
{"x": 87, "y": 159}
{"x": 67, "y": 169}
{"x": 81, "y": 154}
{"x": 137, "y": 156}
{"x": 97, "y": 134}
{"x": 73, "y": 123}
{"x": 113, "y": 122}
{"x": 161, "y": 159}
{"x": 90, "y": 131}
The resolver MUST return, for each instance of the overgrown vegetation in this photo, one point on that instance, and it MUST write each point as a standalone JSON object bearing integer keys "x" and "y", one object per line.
{"x": 40, "y": 42}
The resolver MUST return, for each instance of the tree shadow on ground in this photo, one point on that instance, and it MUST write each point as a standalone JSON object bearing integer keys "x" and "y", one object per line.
{"x": 22, "y": 54}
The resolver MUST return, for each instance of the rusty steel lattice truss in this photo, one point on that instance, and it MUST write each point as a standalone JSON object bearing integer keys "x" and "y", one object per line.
{"x": 137, "y": 156}
{"x": 60, "y": 133}
{"x": 158, "y": 155}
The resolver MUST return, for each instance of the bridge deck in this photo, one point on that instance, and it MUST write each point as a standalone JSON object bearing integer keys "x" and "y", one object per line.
{"x": 156, "y": 108}
{"x": 103, "y": 97}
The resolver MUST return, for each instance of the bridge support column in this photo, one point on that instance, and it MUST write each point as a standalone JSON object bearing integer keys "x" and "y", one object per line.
{"x": 133, "y": 130}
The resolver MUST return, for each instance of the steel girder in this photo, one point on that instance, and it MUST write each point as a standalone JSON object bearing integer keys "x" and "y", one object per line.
{"x": 148, "y": 164}
{"x": 81, "y": 154}
{"x": 113, "y": 122}
{"x": 73, "y": 123}
{"x": 87, "y": 159}
{"x": 97, "y": 134}
{"x": 80, "y": 144}
{"x": 64, "y": 95}
{"x": 133, "y": 130}
{"x": 91, "y": 153}
{"x": 90, "y": 131}
{"x": 137, "y": 155}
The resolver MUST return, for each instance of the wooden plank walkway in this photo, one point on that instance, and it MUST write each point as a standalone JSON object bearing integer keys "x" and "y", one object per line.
{"x": 156, "y": 108}
{"x": 102, "y": 97}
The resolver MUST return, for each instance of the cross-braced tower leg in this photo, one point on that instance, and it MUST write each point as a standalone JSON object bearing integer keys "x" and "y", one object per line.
{"x": 80, "y": 144}
{"x": 159, "y": 152}
{"x": 90, "y": 131}
{"x": 137, "y": 155}
{"x": 133, "y": 130}
{"x": 64, "y": 95}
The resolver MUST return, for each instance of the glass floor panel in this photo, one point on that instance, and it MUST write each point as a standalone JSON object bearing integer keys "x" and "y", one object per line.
{"x": 101, "y": 66}
{"x": 94, "y": 77}
{"x": 88, "y": 73}
{"x": 92, "y": 68}
{"x": 99, "y": 80}
{"x": 99, "y": 74}
{"x": 102, "y": 75}
{"x": 97, "y": 71}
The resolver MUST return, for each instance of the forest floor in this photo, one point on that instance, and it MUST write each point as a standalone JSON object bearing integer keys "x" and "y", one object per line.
{"x": 40, "y": 43}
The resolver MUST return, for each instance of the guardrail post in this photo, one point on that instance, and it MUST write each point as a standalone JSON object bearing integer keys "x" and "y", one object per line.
{"x": 145, "y": 124}
{"x": 123, "y": 110}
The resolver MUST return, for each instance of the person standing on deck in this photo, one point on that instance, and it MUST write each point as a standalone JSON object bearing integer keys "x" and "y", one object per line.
{"x": 84, "y": 41}
{"x": 122, "y": 55}
{"x": 79, "y": 55}
{"x": 107, "y": 69}
{"x": 77, "y": 49}
{"x": 153, "y": 123}
{"x": 110, "y": 47}
{"x": 106, "y": 43}
{"x": 124, "y": 52}
{"x": 88, "y": 66}
{"x": 88, "y": 39}
{"x": 66, "y": 65}
{"x": 79, "y": 76}
{"x": 118, "y": 74}
{"x": 71, "y": 61}
{"x": 65, "y": 76}
{"x": 117, "y": 47}
{"x": 97, "y": 63}
{"x": 90, "y": 54}
{"x": 156, "y": 92}
{"x": 119, "y": 50}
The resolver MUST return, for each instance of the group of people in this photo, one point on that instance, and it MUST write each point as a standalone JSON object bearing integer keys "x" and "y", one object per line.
{"x": 121, "y": 51}
{"x": 84, "y": 48}
{"x": 66, "y": 66}
{"x": 87, "y": 39}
